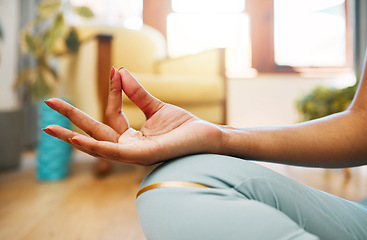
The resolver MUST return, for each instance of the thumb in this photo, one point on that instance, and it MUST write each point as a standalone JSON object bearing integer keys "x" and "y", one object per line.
{"x": 138, "y": 95}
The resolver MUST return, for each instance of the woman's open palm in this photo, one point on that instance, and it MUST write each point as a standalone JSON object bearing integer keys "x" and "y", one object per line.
{"x": 168, "y": 132}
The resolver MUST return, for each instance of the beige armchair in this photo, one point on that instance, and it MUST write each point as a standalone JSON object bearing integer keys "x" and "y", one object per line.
{"x": 195, "y": 82}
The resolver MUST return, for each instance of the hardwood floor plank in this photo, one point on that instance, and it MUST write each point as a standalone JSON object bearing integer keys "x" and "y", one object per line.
{"x": 80, "y": 207}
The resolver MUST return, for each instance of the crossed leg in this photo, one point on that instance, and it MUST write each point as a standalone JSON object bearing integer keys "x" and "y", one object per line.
{"x": 244, "y": 201}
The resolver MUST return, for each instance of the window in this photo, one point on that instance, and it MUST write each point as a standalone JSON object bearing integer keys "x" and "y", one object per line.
{"x": 200, "y": 6}
{"x": 268, "y": 35}
{"x": 198, "y": 25}
{"x": 310, "y": 33}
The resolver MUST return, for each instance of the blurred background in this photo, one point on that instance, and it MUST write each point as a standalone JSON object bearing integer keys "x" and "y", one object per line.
{"x": 237, "y": 62}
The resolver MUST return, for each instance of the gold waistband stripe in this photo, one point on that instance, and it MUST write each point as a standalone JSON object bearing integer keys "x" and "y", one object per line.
{"x": 167, "y": 184}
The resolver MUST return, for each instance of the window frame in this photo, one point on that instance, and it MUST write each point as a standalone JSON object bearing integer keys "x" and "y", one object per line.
{"x": 261, "y": 15}
{"x": 262, "y": 40}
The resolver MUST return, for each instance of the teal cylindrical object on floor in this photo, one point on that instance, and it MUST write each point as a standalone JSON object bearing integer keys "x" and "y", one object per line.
{"x": 53, "y": 155}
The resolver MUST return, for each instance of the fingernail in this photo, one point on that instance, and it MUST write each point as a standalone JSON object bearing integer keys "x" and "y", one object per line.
{"x": 120, "y": 68}
{"x": 49, "y": 132}
{"x": 76, "y": 142}
{"x": 112, "y": 73}
{"x": 49, "y": 104}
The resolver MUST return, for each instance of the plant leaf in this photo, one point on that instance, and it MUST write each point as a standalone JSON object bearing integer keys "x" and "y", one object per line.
{"x": 54, "y": 33}
{"x": 28, "y": 42}
{"x": 72, "y": 41}
{"x": 39, "y": 88}
{"x": 323, "y": 101}
{"x": 83, "y": 11}
{"x": 48, "y": 8}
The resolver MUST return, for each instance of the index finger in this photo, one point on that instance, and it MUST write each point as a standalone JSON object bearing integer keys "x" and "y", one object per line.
{"x": 115, "y": 118}
{"x": 82, "y": 120}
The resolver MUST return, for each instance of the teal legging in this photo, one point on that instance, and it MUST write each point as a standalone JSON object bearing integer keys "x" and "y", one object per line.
{"x": 245, "y": 201}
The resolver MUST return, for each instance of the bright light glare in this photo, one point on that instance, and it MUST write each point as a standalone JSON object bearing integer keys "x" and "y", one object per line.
{"x": 115, "y": 12}
{"x": 213, "y": 6}
{"x": 306, "y": 6}
{"x": 193, "y": 33}
{"x": 309, "y": 32}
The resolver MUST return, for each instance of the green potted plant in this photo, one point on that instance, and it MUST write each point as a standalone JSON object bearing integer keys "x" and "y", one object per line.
{"x": 47, "y": 38}
{"x": 324, "y": 101}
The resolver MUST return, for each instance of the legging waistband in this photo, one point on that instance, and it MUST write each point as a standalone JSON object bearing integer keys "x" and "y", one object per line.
{"x": 165, "y": 184}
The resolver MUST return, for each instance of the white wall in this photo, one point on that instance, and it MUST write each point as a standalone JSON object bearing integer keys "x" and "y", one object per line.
{"x": 9, "y": 17}
{"x": 269, "y": 100}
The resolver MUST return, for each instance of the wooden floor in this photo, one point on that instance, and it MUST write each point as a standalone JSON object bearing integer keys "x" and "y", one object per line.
{"x": 81, "y": 207}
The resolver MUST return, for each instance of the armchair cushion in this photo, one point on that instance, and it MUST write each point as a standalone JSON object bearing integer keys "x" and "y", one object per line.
{"x": 210, "y": 62}
{"x": 137, "y": 50}
{"x": 182, "y": 89}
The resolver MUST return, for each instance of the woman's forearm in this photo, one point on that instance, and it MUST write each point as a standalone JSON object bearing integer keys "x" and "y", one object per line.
{"x": 339, "y": 140}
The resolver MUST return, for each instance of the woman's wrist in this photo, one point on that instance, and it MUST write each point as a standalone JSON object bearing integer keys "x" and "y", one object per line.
{"x": 233, "y": 142}
{"x": 242, "y": 143}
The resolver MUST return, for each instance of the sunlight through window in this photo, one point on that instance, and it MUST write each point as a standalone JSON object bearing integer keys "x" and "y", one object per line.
{"x": 114, "y": 12}
{"x": 312, "y": 34}
{"x": 198, "y": 25}
{"x": 216, "y": 6}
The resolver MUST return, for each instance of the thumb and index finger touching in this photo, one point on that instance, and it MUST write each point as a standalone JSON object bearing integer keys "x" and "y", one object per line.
{"x": 123, "y": 80}
{"x": 115, "y": 118}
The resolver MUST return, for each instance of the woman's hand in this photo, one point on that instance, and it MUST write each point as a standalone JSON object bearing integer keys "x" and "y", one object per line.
{"x": 168, "y": 132}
